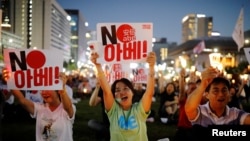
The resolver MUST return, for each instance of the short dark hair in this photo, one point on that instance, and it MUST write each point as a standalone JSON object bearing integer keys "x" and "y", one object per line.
{"x": 218, "y": 80}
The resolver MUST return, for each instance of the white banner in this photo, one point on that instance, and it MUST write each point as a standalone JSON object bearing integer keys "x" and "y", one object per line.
{"x": 247, "y": 53}
{"x": 238, "y": 33}
{"x": 33, "y": 69}
{"x": 124, "y": 42}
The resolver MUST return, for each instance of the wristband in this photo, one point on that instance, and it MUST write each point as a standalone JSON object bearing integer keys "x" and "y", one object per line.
{"x": 101, "y": 74}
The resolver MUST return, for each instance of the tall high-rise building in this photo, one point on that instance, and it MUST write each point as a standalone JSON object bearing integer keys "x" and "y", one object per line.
{"x": 42, "y": 24}
{"x": 78, "y": 35}
{"x": 196, "y": 26}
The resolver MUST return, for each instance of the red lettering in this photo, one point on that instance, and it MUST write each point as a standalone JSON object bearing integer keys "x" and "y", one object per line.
{"x": 118, "y": 52}
{"x": 138, "y": 44}
{"x": 36, "y": 77}
{"x": 49, "y": 72}
{"x": 29, "y": 78}
{"x": 119, "y": 75}
{"x": 141, "y": 71}
{"x": 117, "y": 67}
{"x": 39, "y": 76}
{"x": 144, "y": 54}
{"x": 140, "y": 78}
{"x": 146, "y": 26}
{"x": 56, "y": 75}
{"x": 129, "y": 51}
{"x": 19, "y": 79}
{"x": 126, "y": 51}
{"x": 43, "y": 77}
{"x": 109, "y": 52}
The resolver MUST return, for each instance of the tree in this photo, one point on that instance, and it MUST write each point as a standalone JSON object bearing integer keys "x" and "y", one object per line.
{"x": 240, "y": 69}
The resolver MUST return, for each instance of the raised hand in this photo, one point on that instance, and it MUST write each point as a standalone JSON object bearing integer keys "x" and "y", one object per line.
{"x": 5, "y": 74}
{"x": 209, "y": 74}
{"x": 151, "y": 59}
{"x": 94, "y": 57}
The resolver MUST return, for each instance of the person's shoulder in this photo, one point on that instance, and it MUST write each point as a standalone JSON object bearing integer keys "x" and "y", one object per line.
{"x": 205, "y": 107}
{"x": 68, "y": 87}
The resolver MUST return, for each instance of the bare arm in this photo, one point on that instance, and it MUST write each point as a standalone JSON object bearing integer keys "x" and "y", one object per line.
{"x": 193, "y": 100}
{"x": 182, "y": 94}
{"x": 26, "y": 104}
{"x": 66, "y": 101}
{"x": 161, "y": 84}
{"x": 241, "y": 88}
{"x": 147, "y": 96}
{"x": 95, "y": 99}
{"x": 247, "y": 120}
{"x": 107, "y": 93}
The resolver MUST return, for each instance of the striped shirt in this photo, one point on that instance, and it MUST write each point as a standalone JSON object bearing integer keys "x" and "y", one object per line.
{"x": 206, "y": 117}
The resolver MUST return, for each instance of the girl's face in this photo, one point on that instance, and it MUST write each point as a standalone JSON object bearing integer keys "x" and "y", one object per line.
{"x": 124, "y": 95}
{"x": 232, "y": 91}
{"x": 49, "y": 96}
{"x": 170, "y": 88}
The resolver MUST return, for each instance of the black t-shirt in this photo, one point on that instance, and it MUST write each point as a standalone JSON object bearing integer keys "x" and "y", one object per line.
{"x": 104, "y": 115}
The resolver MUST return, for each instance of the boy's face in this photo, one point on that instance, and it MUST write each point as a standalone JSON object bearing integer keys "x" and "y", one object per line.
{"x": 218, "y": 95}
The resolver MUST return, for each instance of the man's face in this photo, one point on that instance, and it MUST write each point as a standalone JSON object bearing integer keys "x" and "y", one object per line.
{"x": 218, "y": 95}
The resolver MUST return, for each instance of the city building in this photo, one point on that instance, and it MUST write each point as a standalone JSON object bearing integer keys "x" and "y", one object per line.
{"x": 225, "y": 46}
{"x": 160, "y": 47}
{"x": 79, "y": 36}
{"x": 8, "y": 39}
{"x": 196, "y": 26}
{"x": 40, "y": 24}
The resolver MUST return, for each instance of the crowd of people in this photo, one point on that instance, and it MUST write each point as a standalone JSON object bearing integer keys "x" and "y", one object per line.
{"x": 208, "y": 100}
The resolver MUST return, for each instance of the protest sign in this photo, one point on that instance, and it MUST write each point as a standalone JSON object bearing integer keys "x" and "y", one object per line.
{"x": 119, "y": 70}
{"x": 247, "y": 53}
{"x": 215, "y": 60}
{"x": 124, "y": 42}
{"x": 33, "y": 69}
{"x": 116, "y": 71}
{"x": 119, "y": 44}
{"x": 139, "y": 75}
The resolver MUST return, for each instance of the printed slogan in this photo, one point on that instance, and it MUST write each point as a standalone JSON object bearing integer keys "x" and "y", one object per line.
{"x": 33, "y": 69}
{"x": 120, "y": 44}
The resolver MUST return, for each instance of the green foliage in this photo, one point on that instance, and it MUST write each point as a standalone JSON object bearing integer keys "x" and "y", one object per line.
{"x": 65, "y": 64}
{"x": 238, "y": 69}
{"x": 69, "y": 65}
{"x": 242, "y": 66}
{"x": 232, "y": 70}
